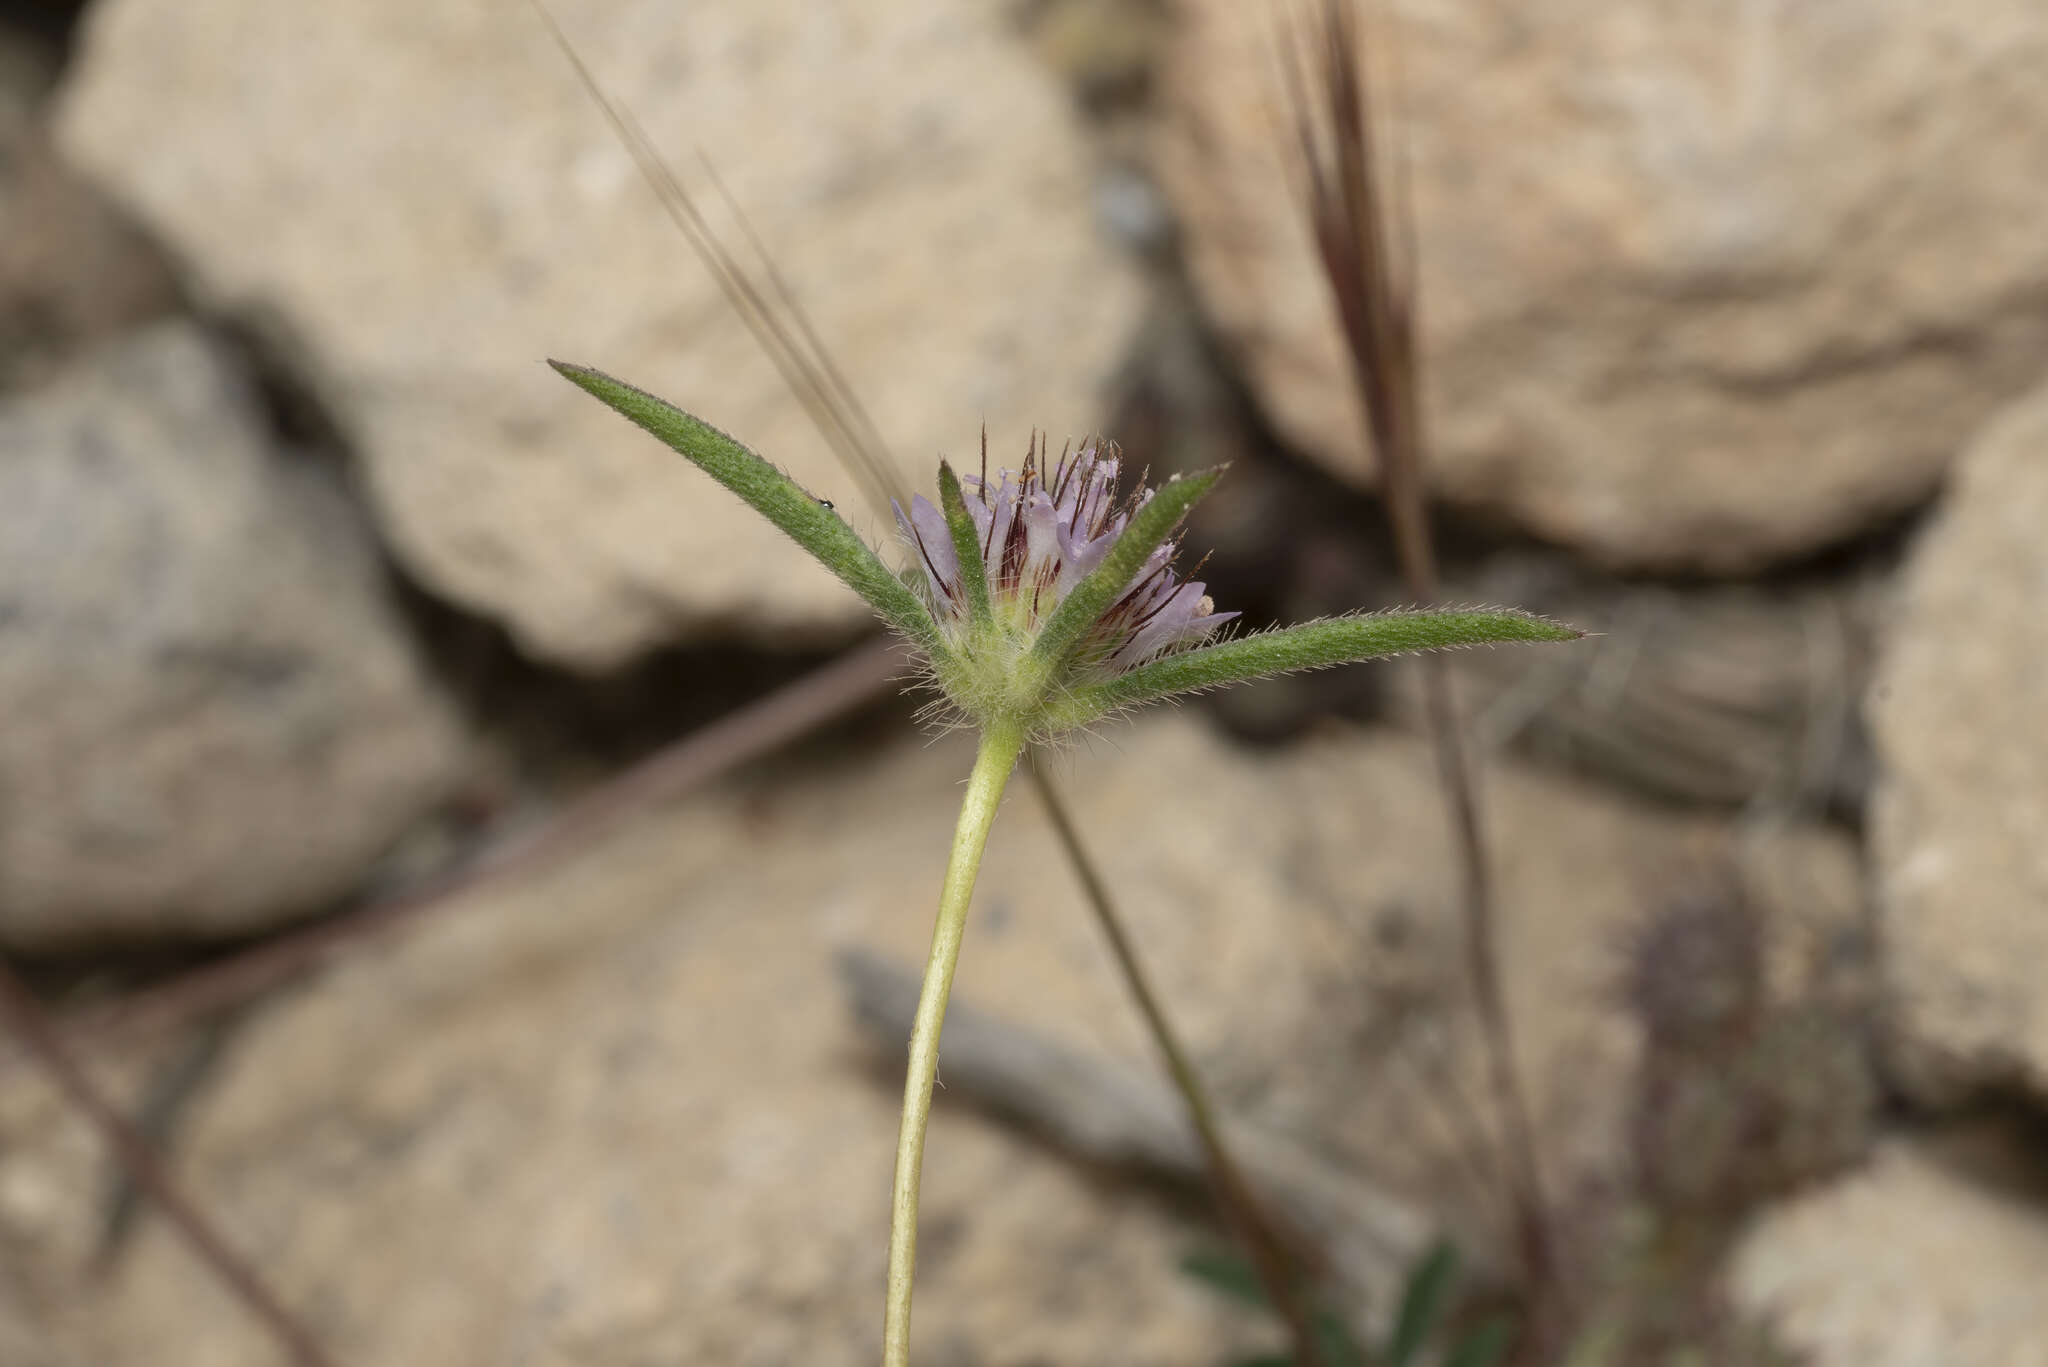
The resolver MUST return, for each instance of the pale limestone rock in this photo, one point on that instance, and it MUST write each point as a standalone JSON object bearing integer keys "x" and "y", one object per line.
{"x": 216, "y": 717}
{"x": 1960, "y": 826}
{"x": 1703, "y": 287}
{"x": 617, "y": 1114}
{"x": 1907, "y": 1263}
{"x": 424, "y": 203}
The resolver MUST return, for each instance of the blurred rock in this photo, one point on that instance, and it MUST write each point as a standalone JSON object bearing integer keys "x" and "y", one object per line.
{"x": 30, "y": 58}
{"x": 1726, "y": 695}
{"x": 1909, "y": 1263}
{"x": 72, "y": 273}
{"x": 216, "y": 720}
{"x": 1745, "y": 1092}
{"x": 616, "y": 1115}
{"x": 1957, "y": 836}
{"x": 1700, "y": 290}
{"x": 422, "y": 242}
{"x": 1395, "y": 1072}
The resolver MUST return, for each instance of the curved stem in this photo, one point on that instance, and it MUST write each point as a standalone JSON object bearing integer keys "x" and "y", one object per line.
{"x": 1000, "y": 747}
{"x": 1242, "y": 1208}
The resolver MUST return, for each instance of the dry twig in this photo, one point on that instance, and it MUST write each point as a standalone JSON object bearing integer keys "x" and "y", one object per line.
{"x": 790, "y": 712}
{"x": 1105, "y": 1113}
{"x": 1363, "y": 239}
{"x": 1277, "y": 1253}
{"x": 30, "y": 1025}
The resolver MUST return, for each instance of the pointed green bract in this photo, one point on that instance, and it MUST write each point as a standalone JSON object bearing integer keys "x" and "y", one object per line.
{"x": 1423, "y": 1303}
{"x": 966, "y": 544}
{"x": 1090, "y": 598}
{"x": 771, "y": 493}
{"x": 1312, "y": 645}
{"x": 1228, "y": 1272}
{"x": 1486, "y": 1346}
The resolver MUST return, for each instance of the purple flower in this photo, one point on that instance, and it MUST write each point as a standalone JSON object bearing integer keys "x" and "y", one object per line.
{"x": 1041, "y": 532}
{"x": 1049, "y": 603}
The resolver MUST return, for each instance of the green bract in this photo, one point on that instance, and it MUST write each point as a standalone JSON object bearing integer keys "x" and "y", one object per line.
{"x": 1043, "y": 601}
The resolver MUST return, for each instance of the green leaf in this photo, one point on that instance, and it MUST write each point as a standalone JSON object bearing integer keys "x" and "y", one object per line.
{"x": 1486, "y": 1346}
{"x": 1336, "y": 1342}
{"x": 1312, "y": 645}
{"x": 1228, "y": 1273}
{"x": 1089, "y": 599}
{"x": 771, "y": 493}
{"x": 966, "y": 544}
{"x": 1264, "y": 1360}
{"x": 1423, "y": 1303}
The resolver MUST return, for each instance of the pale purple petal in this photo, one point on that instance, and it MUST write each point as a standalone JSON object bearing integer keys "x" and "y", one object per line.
{"x": 1078, "y": 559}
{"x": 1041, "y": 533}
{"x": 1202, "y": 626}
{"x": 1168, "y": 624}
{"x": 931, "y": 544}
{"x": 1161, "y": 557}
{"x": 981, "y": 514}
{"x": 1044, "y": 532}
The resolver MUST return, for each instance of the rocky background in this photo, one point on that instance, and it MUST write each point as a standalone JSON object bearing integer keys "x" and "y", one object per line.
{"x": 318, "y": 594}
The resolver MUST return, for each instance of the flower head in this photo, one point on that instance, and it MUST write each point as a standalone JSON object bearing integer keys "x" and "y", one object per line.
{"x": 1038, "y": 533}
{"x": 1049, "y": 602}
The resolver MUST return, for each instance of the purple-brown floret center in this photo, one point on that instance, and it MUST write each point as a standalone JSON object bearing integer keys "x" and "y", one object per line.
{"x": 1041, "y": 532}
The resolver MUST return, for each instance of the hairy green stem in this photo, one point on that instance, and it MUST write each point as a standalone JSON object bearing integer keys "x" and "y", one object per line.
{"x": 1000, "y": 746}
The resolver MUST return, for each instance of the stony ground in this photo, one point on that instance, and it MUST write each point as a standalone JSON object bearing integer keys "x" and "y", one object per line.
{"x": 313, "y": 582}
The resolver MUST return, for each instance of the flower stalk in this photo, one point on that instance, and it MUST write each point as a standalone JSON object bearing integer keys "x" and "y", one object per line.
{"x": 1000, "y": 747}
{"x": 1042, "y": 601}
